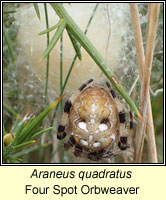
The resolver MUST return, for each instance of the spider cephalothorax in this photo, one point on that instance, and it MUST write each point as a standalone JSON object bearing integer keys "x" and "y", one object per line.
{"x": 93, "y": 118}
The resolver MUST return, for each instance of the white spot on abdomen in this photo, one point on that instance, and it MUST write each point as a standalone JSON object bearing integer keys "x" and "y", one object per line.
{"x": 82, "y": 125}
{"x": 83, "y": 142}
{"x": 97, "y": 144}
{"x": 103, "y": 127}
{"x": 92, "y": 121}
{"x": 90, "y": 138}
{"x": 94, "y": 107}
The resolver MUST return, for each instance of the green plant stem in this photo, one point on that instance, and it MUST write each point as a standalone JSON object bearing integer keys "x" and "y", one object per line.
{"x": 54, "y": 39}
{"x": 51, "y": 28}
{"x": 68, "y": 74}
{"x": 9, "y": 110}
{"x": 37, "y": 9}
{"x": 9, "y": 43}
{"x": 47, "y": 64}
{"x": 88, "y": 46}
{"x": 9, "y": 12}
{"x": 47, "y": 75}
{"x": 61, "y": 69}
{"x": 4, "y": 131}
{"x": 75, "y": 57}
{"x": 71, "y": 67}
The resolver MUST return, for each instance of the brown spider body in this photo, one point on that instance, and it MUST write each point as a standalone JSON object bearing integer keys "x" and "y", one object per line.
{"x": 93, "y": 119}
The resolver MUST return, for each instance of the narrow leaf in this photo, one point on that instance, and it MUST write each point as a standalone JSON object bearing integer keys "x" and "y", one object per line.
{"x": 4, "y": 131}
{"x": 41, "y": 132}
{"x": 22, "y": 124}
{"x": 37, "y": 10}
{"x": 9, "y": 11}
{"x": 9, "y": 110}
{"x": 20, "y": 146}
{"x": 25, "y": 151}
{"x": 51, "y": 28}
{"x": 75, "y": 44}
{"x": 15, "y": 125}
{"x": 54, "y": 40}
{"x": 9, "y": 43}
{"x": 92, "y": 51}
{"x": 27, "y": 131}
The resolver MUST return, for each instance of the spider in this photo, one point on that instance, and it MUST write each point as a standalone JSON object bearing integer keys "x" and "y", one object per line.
{"x": 95, "y": 121}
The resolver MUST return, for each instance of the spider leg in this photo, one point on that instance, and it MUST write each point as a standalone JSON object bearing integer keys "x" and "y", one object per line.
{"x": 70, "y": 143}
{"x": 123, "y": 137}
{"x": 110, "y": 154}
{"x": 123, "y": 143}
{"x": 103, "y": 154}
{"x": 68, "y": 104}
{"x": 78, "y": 150}
{"x": 61, "y": 128}
{"x": 131, "y": 127}
{"x": 95, "y": 156}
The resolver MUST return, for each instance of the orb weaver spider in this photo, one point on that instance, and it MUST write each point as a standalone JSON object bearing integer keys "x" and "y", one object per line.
{"x": 94, "y": 120}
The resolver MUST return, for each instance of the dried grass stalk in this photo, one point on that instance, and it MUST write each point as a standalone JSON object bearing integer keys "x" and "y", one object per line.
{"x": 138, "y": 38}
{"x": 145, "y": 65}
{"x": 150, "y": 135}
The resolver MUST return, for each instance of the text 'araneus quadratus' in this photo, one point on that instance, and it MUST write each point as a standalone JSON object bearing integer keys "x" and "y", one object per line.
{"x": 95, "y": 121}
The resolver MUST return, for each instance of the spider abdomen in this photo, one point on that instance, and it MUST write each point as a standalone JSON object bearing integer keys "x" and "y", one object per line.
{"x": 93, "y": 120}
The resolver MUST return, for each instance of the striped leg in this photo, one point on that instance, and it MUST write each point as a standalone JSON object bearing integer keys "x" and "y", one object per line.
{"x": 70, "y": 143}
{"x": 61, "y": 128}
{"x": 65, "y": 118}
{"x": 95, "y": 156}
{"x": 122, "y": 143}
{"x": 78, "y": 150}
{"x": 129, "y": 153}
{"x": 131, "y": 129}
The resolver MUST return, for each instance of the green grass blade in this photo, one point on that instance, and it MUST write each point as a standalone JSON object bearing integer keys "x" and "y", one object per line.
{"x": 4, "y": 131}
{"x": 54, "y": 40}
{"x": 75, "y": 44}
{"x": 75, "y": 57}
{"x": 88, "y": 46}
{"x": 37, "y": 134}
{"x": 51, "y": 28}
{"x": 27, "y": 131}
{"x": 21, "y": 125}
{"x": 37, "y": 9}
{"x": 14, "y": 126}
{"x": 20, "y": 146}
{"x": 72, "y": 65}
{"x": 9, "y": 43}
{"x": 9, "y": 110}
{"x": 9, "y": 12}
{"x": 61, "y": 69}
{"x": 47, "y": 62}
{"x": 25, "y": 152}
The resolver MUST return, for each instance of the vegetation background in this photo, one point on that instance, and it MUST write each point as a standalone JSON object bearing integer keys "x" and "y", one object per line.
{"x": 20, "y": 111}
